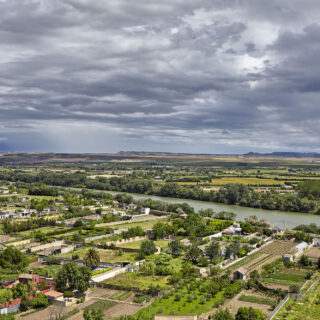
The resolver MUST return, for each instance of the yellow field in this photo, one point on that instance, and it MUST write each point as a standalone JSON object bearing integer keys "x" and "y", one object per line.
{"x": 246, "y": 181}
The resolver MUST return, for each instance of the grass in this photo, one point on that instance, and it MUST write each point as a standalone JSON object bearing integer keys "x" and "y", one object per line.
{"x": 287, "y": 277}
{"x": 121, "y": 295}
{"x": 43, "y": 230}
{"x": 136, "y": 244}
{"x": 257, "y": 299}
{"x": 134, "y": 280}
{"x": 48, "y": 270}
{"x": 101, "y": 304}
{"x": 100, "y": 271}
{"x": 106, "y": 255}
{"x": 143, "y": 224}
{"x": 247, "y": 181}
{"x": 278, "y": 273}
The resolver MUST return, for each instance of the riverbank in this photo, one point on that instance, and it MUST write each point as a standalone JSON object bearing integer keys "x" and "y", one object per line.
{"x": 276, "y": 218}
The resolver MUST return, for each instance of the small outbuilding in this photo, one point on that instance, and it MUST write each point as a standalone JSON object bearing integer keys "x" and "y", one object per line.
{"x": 240, "y": 274}
{"x": 287, "y": 258}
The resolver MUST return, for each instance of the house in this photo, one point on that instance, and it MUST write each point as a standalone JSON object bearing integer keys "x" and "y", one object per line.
{"x": 240, "y": 274}
{"x": 10, "y": 306}
{"x": 26, "y": 278}
{"x": 300, "y": 248}
{"x": 231, "y": 230}
{"x": 316, "y": 242}
{"x": 35, "y": 280}
{"x": 145, "y": 211}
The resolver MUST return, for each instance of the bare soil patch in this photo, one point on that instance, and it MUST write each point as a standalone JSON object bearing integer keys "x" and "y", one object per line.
{"x": 121, "y": 309}
{"x": 313, "y": 253}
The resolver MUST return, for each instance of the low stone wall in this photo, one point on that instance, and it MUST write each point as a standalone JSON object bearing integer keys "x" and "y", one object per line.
{"x": 124, "y": 241}
{"x": 109, "y": 274}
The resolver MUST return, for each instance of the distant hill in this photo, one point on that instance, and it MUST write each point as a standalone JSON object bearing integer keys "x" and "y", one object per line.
{"x": 284, "y": 154}
{"x": 279, "y": 154}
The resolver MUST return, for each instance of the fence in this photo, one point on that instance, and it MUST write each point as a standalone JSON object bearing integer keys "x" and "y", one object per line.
{"x": 279, "y": 306}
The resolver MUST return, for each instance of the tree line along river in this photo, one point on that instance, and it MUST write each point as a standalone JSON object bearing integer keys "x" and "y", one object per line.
{"x": 276, "y": 218}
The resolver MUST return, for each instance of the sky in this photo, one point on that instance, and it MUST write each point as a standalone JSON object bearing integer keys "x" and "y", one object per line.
{"x": 198, "y": 76}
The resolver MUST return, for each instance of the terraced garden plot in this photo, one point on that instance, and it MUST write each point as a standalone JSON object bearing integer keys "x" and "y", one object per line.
{"x": 313, "y": 253}
{"x": 277, "y": 275}
{"x": 257, "y": 299}
{"x": 250, "y": 299}
{"x": 133, "y": 280}
{"x": 252, "y": 262}
{"x": 121, "y": 295}
{"x": 278, "y": 247}
{"x": 106, "y": 255}
{"x": 265, "y": 255}
{"x": 136, "y": 244}
{"x": 286, "y": 277}
{"x": 307, "y": 308}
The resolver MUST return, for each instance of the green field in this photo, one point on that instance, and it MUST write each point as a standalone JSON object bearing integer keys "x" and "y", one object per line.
{"x": 247, "y": 181}
{"x": 136, "y": 244}
{"x": 286, "y": 277}
{"x": 277, "y": 273}
{"x": 257, "y": 299}
{"x": 106, "y": 255}
{"x": 131, "y": 280}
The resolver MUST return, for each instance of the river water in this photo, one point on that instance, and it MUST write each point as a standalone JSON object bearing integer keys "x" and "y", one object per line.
{"x": 276, "y": 218}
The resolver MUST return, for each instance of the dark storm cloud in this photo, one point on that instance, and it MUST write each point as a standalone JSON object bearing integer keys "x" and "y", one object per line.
{"x": 207, "y": 76}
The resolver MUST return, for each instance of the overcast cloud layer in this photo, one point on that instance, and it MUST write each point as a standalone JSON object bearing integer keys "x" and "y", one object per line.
{"x": 171, "y": 75}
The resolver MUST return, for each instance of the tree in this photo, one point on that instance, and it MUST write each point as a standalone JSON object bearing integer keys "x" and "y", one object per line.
{"x": 175, "y": 248}
{"x": 12, "y": 258}
{"x": 93, "y": 314}
{"x": 305, "y": 261}
{"x": 20, "y": 290}
{"x": 92, "y": 258}
{"x": 245, "y": 313}
{"x": 5, "y": 295}
{"x": 73, "y": 277}
{"x": 159, "y": 230}
{"x": 213, "y": 250}
{"x": 39, "y": 301}
{"x": 148, "y": 268}
{"x": 147, "y": 248}
{"x": 188, "y": 270}
{"x": 232, "y": 250}
{"x": 222, "y": 315}
{"x": 193, "y": 254}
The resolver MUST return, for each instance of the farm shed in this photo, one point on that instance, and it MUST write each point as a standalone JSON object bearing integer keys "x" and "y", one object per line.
{"x": 287, "y": 258}
{"x": 240, "y": 274}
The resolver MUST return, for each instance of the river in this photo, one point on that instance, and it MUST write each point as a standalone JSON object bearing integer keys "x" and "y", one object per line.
{"x": 276, "y": 218}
